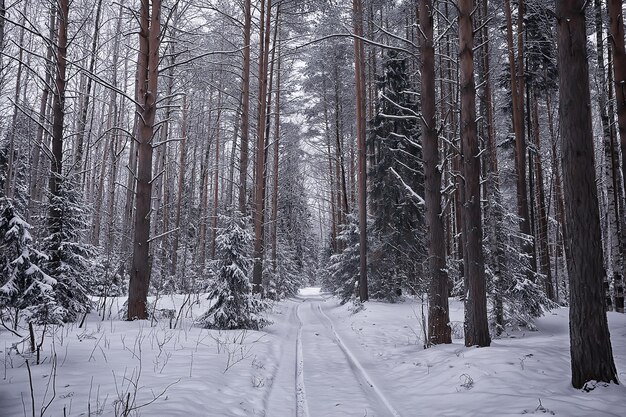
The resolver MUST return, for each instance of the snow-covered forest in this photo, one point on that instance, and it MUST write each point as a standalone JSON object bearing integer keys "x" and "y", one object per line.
{"x": 312, "y": 208}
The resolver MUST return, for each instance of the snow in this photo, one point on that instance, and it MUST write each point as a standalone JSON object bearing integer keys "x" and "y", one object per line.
{"x": 317, "y": 359}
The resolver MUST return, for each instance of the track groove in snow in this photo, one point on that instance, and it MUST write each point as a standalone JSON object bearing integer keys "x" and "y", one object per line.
{"x": 355, "y": 365}
{"x": 302, "y": 409}
{"x": 336, "y": 382}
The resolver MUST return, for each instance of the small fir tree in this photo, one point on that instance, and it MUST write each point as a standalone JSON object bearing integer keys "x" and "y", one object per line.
{"x": 25, "y": 288}
{"x": 71, "y": 261}
{"x": 343, "y": 269}
{"x": 235, "y": 306}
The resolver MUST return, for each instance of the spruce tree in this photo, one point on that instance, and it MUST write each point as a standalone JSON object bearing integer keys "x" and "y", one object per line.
{"x": 396, "y": 184}
{"x": 70, "y": 259}
{"x": 342, "y": 275}
{"x": 235, "y": 306}
{"x": 25, "y": 289}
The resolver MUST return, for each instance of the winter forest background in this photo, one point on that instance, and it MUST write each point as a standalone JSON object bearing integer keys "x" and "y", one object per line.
{"x": 178, "y": 170}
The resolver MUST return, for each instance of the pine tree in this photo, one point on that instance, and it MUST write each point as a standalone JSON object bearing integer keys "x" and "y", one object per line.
{"x": 235, "y": 306}
{"x": 70, "y": 260}
{"x": 24, "y": 287}
{"x": 397, "y": 183}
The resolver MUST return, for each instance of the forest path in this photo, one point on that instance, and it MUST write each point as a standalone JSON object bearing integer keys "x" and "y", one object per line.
{"x": 317, "y": 371}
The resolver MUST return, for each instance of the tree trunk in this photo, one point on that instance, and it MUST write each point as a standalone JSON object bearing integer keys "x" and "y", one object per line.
{"x": 618, "y": 190}
{"x": 476, "y": 327}
{"x": 82, "y": 121}
{"x": 359, "y": 64}
{"x": 259, "y": 195}
{"x": 217, "y": 176}
{"x": 181, "y": 183}
{"x": 146, "y": 97}
{"x": 616, "y": 29}
{"x": 58, "y": 111}
{"x": 274, "y": 221}
{"x": 438, "y": 312}
{"x": 616, "y": 26}
{"x": 245, "y": 111}
{"x": 517, "y": 96}
{"x": 9, "y": 184}
{"x": 540, "y": 204}
{"x": 590, "y": 343}
{"x": 35, "y": 178}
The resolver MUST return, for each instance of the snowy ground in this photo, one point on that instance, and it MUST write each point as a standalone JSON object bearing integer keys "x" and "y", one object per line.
{"x": 317, "y": 359}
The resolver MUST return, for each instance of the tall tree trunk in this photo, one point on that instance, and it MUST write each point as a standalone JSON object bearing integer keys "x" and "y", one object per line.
{"x": 146, "y": 97}
{"x": 259, "y": 194}
{"x": 82, "y": 121}
{"x": 590, "y": 343}
{"x": 231, "y": 166}
{"x": 181, "y": 183}
{"x": 217, "y": 177}
{"x": 110, "y": 145}
{"x": 58, "y": 111}
{"x": 494, "y": 210}
{"x": 540, "y": 204}
{"x": 35, "y": 178}
{"x": 359, "y": 64}
{"x": 559, "y": 209}
{"x": 342, "y": 193}
{"x": 245, "y": 110}
{"x": 616, "y": 27}
{"x": 274, "y": 221}
{"x": 517, "y": 96}
{"x": 9, "y": 184}
{"x": 476, "y": 327}
{"x": 438, "y": 312}
{"x": 618, "y": 191}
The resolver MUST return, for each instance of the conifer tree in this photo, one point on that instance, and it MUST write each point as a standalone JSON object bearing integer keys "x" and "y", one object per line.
{"x": 25, "y": 289}
{"x": 235, "y": 306}
{"x": 343, "y": 269}
{"x": 70, "y": 260}
{"x": 396, "y": 183}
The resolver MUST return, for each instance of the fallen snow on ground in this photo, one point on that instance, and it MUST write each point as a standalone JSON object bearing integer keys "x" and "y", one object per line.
{"x": 317, "y": 359}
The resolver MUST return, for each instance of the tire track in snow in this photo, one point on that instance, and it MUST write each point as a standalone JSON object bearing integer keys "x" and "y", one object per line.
{"x": 359, "y": 372}
{"x": 277, "y": 353}
{"x": 302, "y": 409}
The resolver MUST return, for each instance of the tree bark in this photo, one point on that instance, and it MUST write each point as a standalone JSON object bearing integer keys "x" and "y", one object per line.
{"x": 58, "y": 114}
{"x": 82, "y": 121}
{"x": 540, "y": 204}
{"x": 590, "y": 343}
{"x": 517, "y": 96}
{"x": 476, "y": 327}
{"x": 438, "y": 312}
{"x": 274, "y": 221}
{"x": 260, "y": 188}
{"x": 181, "y": 183}
{"x": 616, "y": 27}
{"x": 245, "y": 110}
{"x": 359, "y": 64}
{"x": 146, "y": 97}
